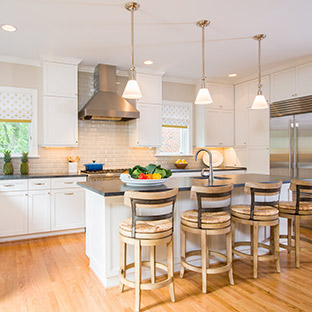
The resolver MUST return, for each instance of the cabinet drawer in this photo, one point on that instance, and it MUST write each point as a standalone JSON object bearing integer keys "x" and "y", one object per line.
{"x": 13, "y": 185}
{"x": 39, "y": 184}
{"x": 58, "y": 183}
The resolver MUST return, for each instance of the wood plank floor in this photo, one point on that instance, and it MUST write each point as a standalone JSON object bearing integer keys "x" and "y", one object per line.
{"x": 52, "y": 274}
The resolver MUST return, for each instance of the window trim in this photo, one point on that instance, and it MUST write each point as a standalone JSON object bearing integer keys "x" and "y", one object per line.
{"x": 188, "y": 151}
{"x": 33, "y": 126}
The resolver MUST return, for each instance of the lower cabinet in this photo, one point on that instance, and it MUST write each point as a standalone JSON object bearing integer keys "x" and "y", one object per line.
{"x": 67, "y": 209}
{"x": 13, "y": 213}
{"x": 39, "y": 211}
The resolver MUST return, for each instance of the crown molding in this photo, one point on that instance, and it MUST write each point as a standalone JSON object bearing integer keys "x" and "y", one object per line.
{"x": 63, "y": 60}
{"x": 86, "y": 68}
{"x": 275, "y": 69}
{"x": 19, "y": 60}
{"x": 179, "y": 80}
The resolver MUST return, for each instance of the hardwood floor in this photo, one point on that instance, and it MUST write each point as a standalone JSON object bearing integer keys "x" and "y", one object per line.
{"x": 52, "y": 274}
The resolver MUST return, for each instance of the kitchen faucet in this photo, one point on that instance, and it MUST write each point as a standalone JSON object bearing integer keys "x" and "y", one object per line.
{"x": 210, "y": 178}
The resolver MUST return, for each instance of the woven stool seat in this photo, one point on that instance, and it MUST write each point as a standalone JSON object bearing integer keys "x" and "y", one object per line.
{"x": 207, "y": 217}
{"x": 259, "y": 210}
{"x": 291, "y": 205}
{"x": 146, "y": 226}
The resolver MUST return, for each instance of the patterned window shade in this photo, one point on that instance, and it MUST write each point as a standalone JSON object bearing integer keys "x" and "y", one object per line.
{"x": 15, "y": 105}
{"x": 175, "y": 116}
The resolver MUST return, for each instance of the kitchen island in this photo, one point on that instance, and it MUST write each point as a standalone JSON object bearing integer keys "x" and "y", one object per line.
{"x": 105, "y": 210}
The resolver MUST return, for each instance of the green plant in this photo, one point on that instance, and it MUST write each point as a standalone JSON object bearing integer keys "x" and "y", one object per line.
{"x": 24, "y": 165}
{"x": 7, "y": 167}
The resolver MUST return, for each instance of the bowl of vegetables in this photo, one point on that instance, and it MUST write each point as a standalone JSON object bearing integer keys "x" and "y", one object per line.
{"x": 149, "y": 175}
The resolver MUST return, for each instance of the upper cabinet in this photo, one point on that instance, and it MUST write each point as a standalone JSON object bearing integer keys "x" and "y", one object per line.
{"x": 291, "y": 83}
{"x": 60, "y": 79}
{"x": 151, "y": 88}
{"x": 215, "y": 122}
{"x": 60, "y": 105}
{"x": 146, "y": 130}
{"x": 222, "y": 96}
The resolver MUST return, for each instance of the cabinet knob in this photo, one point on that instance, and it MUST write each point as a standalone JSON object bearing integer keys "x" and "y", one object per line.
{"x": 220, "y": 142}
{"x": 26, "y": 194}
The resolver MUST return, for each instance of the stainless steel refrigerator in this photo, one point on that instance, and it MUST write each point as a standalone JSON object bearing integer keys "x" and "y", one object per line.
{"x": 291, "y": 138}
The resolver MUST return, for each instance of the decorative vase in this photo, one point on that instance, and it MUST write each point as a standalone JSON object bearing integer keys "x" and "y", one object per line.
{"x": 72, "y": 167}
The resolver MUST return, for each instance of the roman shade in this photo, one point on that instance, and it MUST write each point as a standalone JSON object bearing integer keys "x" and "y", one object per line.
{"x": 15, "y": 104}
{"x": 177, "y": 116}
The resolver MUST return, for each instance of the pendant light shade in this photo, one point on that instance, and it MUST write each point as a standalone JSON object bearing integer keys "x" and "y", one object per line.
{"x": 132, "y": 89}
{"x": 203, "y": 95}
{"x": 259, "y": 101}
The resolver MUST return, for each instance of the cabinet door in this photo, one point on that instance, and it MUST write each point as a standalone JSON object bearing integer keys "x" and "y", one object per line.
{"x": 258, "y": 127}
{"x": 60, "y": 79}
{"x": 151, "y": 88}
{"x": 68, "y": 209}
{"x": 283, "y": 85}
{"x": 303, "y": 79}
{"x": 222, "y": 96}
{"x": 258, "y": 160}
{"x": 241, "y": 126}
{"x": 227, "y": 128}
{"x": 212, "y": 128}
{"x": 13, "y": 213}
{"x": 39, "y": 211}
{"x": 60, "y": 122}
{"x": 149, "y": 125}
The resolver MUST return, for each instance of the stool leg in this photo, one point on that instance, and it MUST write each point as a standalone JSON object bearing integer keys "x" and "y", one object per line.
{"x": 233, "y": 232}
{"x": 272, "y": 239}
{"x": 251, "y": 239}
{"x": 297, "y": 240}
{"x": 289, "y": 230}
{"x": 152, "y": 263}
{"x": 255, "y": 248}
{"x": 170, "y": 268}
{"x": 137, "y": 266}
{"x": 204, "y": 260}
{"x": 229, "y": 255}
{"x": 276, "y": 248}
{"x": 123, "y": 261}
{"x": 182, "y": 269}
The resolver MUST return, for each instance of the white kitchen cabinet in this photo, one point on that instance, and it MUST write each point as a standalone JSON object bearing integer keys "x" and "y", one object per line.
{"x": 222, "y": 96}
{"x": 146, "y": 130}
{"x": 39, "y": 211}
{"x": 60, "y": 79}
{"x": 219, "y": 126}
{"x": 251, "y": 126}
{"x": 60, "y": 122}
{"x": 67, "y": 209}
{"x": 13, "y": 213}
{"x": 283, "y": 85}
{"x": 258, "y": 160}
{"x": 151, "y": 88}
{"x": 303, "y": 79}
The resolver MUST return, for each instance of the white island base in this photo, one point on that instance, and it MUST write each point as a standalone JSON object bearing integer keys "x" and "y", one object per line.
{"x": 103, "y": 215}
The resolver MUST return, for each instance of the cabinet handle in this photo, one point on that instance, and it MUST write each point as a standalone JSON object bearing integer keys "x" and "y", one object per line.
{"x": 8, "y": 185}
{"x": 49, "y": 193}
{"x": 39, "y": 183}
{"x": 26, "y": 194}
{"x": 220, "y": 142}
{"x": 68, "y": 182}
{"x": 68, "y": 193}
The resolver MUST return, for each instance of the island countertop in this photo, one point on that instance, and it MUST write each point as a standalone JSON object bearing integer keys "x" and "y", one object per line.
{"x": 114, "y": 187}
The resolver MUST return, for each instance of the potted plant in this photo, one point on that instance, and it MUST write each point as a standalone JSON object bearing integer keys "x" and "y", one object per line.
{"x": 7, "y": 167}
{"x": 24, "y": 169}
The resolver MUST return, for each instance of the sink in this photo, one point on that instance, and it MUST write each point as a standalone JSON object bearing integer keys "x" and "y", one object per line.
{"x": 215, "y": 177}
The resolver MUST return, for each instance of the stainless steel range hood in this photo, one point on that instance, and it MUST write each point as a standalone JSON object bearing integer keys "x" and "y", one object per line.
{"x": 106, "y": 103}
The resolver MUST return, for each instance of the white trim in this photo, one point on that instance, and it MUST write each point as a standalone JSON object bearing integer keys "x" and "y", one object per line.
{"x": 86, "y": 68}
{"x": 62, "y": 60}
{"x": 19, "y": 60}
{"x": 179, "y": 80}
{"x": 33, "y": 131}
{"x": 139, "y": 70}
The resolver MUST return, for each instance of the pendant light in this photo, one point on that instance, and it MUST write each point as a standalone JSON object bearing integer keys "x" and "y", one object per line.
{"x": 259, "y": 101}
{"x": 132, "y": 89}
{"x": 203, "y": 95}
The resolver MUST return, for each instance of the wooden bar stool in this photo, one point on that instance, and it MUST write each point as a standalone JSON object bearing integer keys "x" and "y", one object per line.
{"x": 209, "y": 221}
{"x": 295, "y": 211}
{"x": 151, "y": 231}
{"x": 259, "y": 213}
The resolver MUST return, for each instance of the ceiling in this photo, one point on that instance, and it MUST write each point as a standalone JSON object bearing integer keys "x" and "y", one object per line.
{"x": 98, "y": 31}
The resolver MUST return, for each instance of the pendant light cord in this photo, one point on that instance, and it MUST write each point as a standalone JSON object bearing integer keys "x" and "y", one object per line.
{"x": 203, "y": 57}
{"x": 132, "y": 69}
{"x": 259, "y": 69}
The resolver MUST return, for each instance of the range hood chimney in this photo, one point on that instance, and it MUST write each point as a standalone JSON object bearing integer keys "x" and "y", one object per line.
{"x": 106, "y": 103}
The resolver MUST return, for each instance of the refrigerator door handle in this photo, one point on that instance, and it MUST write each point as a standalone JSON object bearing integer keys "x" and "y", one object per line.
{"x": 295, "y": 147}
{"x": 289, "y": 149}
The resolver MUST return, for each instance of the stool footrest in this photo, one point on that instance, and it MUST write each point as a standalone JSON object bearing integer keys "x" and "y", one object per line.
{"x": 246, "y": 255}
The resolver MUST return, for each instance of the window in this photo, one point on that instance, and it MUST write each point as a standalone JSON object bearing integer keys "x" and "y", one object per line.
{"x": 18, "y": 120}
{"x": 176, "y": 129}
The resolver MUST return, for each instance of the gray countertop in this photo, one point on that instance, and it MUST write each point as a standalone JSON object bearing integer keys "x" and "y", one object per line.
{"x": 41, "y": 176}
{"x": 114, "y": 187}
{"x": 226, "y": 168}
